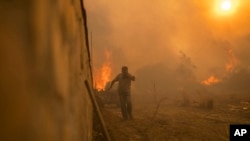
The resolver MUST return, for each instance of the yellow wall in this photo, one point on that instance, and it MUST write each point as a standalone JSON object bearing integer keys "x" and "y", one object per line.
{"x": 44, "y": 61}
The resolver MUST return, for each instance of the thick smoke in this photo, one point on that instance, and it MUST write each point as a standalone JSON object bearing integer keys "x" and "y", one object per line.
{"x": 173, "y": 44}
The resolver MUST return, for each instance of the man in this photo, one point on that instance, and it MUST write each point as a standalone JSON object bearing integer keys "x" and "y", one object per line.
{"x": 124, "y": 79}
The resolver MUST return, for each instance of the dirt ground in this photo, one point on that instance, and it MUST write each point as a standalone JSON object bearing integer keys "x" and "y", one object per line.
{"x": 171, "y": 121}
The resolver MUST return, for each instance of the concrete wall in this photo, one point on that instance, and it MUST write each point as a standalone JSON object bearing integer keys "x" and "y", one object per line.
{"x": 44, "y": 61}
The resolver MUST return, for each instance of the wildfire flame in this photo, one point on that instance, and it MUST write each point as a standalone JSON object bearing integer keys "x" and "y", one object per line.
{"x": 229, "y": 67}
{"x": 103, "y": 75}
{"x": 233, "y": 62}
{"x": 211, "y": 80}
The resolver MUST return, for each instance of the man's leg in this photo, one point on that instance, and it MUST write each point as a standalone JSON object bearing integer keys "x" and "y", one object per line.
{"x": 129, "y": 107}
{"x": 123, "y": 106}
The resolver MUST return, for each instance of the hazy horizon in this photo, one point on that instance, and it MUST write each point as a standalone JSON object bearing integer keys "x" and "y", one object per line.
{"x": 172, "y": 42}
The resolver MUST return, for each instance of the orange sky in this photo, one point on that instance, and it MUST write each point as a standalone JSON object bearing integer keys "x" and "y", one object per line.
{"x": 142, "y": 33}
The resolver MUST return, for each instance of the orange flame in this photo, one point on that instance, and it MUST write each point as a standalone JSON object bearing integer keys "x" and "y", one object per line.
{"x": 229, "y": 67}
{"x": 103, "y": 75}
{"x": 233, "y": 62}
{"x": 211, "y": 80}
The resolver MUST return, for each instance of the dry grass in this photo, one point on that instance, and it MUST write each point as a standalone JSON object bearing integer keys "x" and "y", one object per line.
{"x": 169, "y": 121}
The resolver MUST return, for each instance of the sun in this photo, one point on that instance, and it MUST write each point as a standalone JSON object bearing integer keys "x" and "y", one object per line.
{"x": 226, "y": 5}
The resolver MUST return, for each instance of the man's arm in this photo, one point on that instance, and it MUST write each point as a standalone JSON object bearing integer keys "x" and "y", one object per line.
{"x": 133, "y": 78}
{"x": 113, "y": 81}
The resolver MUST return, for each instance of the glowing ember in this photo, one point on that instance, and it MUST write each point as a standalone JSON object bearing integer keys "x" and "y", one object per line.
{"x": 103, "y": 75}
{"x": 211, "y": 80}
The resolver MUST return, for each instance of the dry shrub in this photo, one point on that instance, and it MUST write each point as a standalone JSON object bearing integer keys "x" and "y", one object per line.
{"x": 207, "y": 104}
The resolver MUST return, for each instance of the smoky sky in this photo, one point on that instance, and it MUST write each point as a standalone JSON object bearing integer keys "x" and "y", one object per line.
{"x": 145, "y": 34}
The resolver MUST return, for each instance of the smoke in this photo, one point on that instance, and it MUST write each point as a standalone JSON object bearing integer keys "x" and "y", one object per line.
{"x": 159, "y": 80}
{"x": 171, "y": 43}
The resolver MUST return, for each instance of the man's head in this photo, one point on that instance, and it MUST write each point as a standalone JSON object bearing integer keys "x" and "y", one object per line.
{"x": 124, "y": 69}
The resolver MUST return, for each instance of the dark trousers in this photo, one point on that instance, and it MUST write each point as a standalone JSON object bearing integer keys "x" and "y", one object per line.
{"x": 126, "y": 105}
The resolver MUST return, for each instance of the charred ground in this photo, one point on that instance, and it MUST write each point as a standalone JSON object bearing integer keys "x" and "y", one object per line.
{"x": 169, "y": 119}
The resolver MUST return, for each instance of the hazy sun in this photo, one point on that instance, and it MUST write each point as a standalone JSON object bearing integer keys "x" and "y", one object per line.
{"x": 226, "y": 5}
